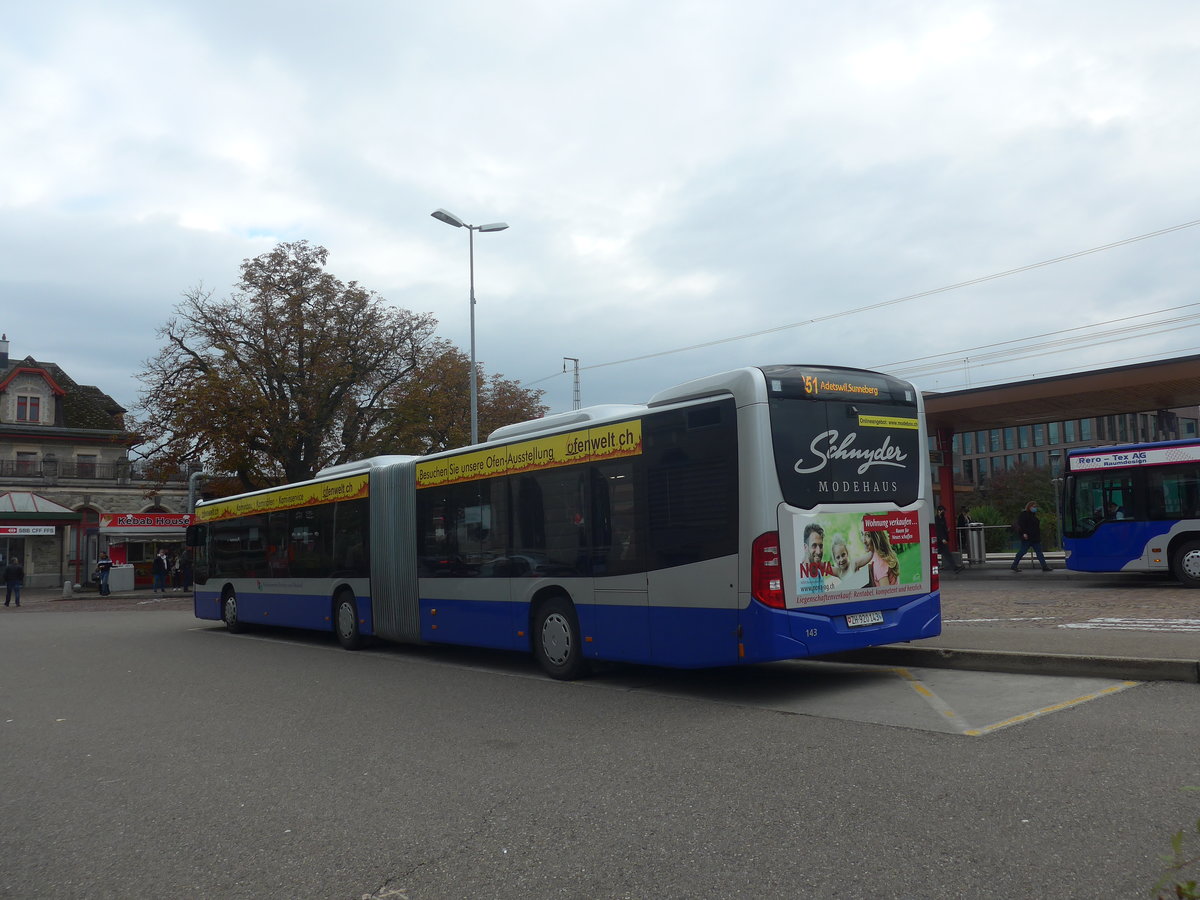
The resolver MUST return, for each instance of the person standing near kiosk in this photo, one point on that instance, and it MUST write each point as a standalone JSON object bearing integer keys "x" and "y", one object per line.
{"x": 159, "y": 571}
{"x": 103, "y": 567}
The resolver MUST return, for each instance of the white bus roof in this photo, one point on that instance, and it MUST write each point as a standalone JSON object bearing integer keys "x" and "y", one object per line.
{"x": 565, "y": 420}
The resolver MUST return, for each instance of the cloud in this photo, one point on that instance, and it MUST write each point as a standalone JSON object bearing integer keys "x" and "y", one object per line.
{"x": 673, "y": 173}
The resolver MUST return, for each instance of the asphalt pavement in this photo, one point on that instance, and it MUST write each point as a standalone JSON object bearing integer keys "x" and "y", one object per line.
{"x": 1128, "y": 626}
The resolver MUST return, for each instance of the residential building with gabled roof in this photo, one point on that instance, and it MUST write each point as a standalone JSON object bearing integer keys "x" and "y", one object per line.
{"x": 64, "y": 467}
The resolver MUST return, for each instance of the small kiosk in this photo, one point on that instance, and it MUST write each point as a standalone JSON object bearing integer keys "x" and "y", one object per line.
{"x": 134, "y": 539}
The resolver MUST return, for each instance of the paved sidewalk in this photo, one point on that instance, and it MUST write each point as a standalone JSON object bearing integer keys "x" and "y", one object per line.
{"x": 53, "y": 600}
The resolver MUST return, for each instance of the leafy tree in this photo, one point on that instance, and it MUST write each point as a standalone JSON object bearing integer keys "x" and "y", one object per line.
{"x": 1005, "y": 496}
{"x": 432, "y": 406}
{"x": 1009, "y": 490}
{"x": 296, "y": 371}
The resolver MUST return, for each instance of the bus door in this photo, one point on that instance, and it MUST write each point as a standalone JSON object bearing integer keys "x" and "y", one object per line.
{"x": 621, "y": 601}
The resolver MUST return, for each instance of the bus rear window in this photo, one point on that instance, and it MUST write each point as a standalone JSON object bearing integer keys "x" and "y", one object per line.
{"x": 846, "y": 451}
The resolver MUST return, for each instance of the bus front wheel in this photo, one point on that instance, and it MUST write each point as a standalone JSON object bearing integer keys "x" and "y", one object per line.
{"x": 229, "y": 612}
{"x": 345, "y": 622}
{"x": 557, "y": 645}
{"x": 1187, "y": 564}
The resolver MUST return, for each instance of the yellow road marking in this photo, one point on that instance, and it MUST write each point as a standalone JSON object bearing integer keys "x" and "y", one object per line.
{"x": 1066, "y": 704}
{"x": 960, "y": 724}
{"x": 964, "y": 727}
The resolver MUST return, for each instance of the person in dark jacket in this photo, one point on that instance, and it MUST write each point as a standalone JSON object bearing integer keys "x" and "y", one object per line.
{"x": 103, "y": 567}
{"x": 159, "y": 569}
{"x": 14, "y": 577}
{"x": 943, "y": 539}
{"x": 1029, "y": 529}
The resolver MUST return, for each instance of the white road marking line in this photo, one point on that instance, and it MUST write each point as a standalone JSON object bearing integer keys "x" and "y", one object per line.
{"x": 1001, "y": 619}
{"x": 1138, "y": 624}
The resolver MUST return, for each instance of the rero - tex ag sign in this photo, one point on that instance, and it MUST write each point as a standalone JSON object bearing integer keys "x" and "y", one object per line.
{"x": 587, "y": 445}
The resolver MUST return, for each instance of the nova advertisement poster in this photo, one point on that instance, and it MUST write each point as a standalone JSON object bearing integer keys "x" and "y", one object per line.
{"x": 846, "y": 557}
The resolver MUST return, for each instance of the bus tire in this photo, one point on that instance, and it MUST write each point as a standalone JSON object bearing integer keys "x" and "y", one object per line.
{"x": 345, "y": 622}
{"x": 229, "y": 612}
{"x": 557, "y": 644}
{"x": 1186, "y": 564}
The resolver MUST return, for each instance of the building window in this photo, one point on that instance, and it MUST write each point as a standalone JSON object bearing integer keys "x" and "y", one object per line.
{"x": 968, "y": 442}
{"x": 29, "y": 409}
{"x": 1069, "y": 432}
{"x": 1023, "y": 432}
{"x": 1010, "y": 439}
{"x": 1085, "y": 429}
{"x": 1039, "y": 435}
{"x": 26, "y": 463}
{"x": 995, "y": 444}
{"x": 86, "y": 465}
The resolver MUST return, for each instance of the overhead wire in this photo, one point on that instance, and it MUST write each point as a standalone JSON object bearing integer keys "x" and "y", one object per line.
{"x": 897, "y": 300}
{"x": 907, "y": 298}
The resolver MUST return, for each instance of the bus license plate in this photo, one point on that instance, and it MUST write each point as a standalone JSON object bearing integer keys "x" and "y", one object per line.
{"x": 855, "y": 620}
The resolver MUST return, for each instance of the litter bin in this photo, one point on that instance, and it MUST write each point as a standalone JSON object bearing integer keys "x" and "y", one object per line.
{"x": 976, "y": 547}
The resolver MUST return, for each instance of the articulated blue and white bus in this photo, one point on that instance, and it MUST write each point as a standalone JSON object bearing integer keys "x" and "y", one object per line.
{"x": 762, "y": 514}
{"x": 1134, "y": 508}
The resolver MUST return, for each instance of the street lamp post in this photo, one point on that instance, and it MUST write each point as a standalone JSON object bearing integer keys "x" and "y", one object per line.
{"x": 451, "y": 219}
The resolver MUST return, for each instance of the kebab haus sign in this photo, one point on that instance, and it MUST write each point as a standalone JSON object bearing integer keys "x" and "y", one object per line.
{"x": 150, "y": 522}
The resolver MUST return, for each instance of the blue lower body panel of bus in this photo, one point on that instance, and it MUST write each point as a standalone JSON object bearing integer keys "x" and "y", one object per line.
{"x": 287, "y": 609}
{"x": 686, "y": 637}
{"x": 773, "y": 634}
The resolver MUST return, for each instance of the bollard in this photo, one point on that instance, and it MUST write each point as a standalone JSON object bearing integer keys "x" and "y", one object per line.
{"x": 67, "y": 590}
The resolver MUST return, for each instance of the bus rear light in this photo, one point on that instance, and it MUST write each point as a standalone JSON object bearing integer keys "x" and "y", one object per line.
{"x": 935, "y": 578}
{"x": 766, "y": 571}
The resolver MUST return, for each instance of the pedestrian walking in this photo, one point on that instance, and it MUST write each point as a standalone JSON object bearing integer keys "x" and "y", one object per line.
{"x": 103, "y": 567}
{"x": 1029, "y": 529}
{"x": 159, "y": 570}
{"x": 14, "y": 577}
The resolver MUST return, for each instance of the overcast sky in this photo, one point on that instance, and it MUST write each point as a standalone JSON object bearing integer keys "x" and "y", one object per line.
{"x": 673, "y": 174}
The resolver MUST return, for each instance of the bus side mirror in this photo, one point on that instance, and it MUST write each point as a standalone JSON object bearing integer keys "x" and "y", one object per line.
{"x": 196, "y": 536}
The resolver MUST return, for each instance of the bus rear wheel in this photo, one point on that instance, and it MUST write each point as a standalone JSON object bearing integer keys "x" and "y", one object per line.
{"x": 345, "y": 622}
{"x": 1186, "y": 564}
{"x": 229, "y": 612}
{"x": 557, "y": 645}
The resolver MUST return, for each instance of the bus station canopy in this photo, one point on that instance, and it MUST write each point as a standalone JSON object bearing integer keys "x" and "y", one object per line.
{"x": 1163, "y": 384}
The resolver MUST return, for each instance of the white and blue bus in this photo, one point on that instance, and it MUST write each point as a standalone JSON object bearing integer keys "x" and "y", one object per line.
{"x": 761, "y": 514}
{"x": 1134, "y": 508}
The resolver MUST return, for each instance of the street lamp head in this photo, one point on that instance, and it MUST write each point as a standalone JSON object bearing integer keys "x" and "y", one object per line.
{"x": 494, "y": 226}
{"x": 449, "y": 218}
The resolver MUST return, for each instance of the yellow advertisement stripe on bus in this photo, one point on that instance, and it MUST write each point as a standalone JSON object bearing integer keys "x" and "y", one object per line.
{"x": 352, "y": 487}
{"x": 887, "y": 422}
{"x": 588, "y": 445}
